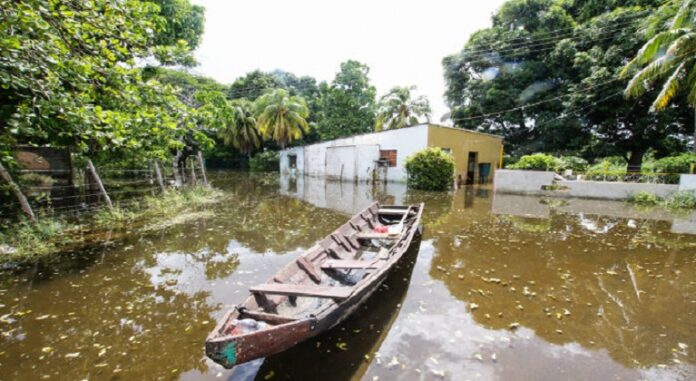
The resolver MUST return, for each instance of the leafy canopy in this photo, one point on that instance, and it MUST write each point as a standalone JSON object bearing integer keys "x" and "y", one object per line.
{"x": 347, "y": 105}
{"x": 281, "y": 116}
{"x": 69, "y": 75}
{"x": 398, "y": 108}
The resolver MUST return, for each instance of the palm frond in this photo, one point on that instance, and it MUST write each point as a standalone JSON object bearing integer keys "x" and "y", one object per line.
{"x": 651, "y": 49}
{"x": 638, "y": 85}
{"x": 669, "y": 89}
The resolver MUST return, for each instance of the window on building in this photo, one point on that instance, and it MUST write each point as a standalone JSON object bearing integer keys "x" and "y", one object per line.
{"x": 293, "y": 161}
{"x": 447, "y": 150}
{"x": 389, "y": 156}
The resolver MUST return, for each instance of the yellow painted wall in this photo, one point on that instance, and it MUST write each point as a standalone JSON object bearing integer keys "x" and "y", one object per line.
{"x": 461, "y": 142}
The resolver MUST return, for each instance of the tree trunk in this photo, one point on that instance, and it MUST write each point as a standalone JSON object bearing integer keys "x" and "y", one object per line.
{"x": 635, "y": 161}
{"x": 95, "y": 176}
{"x": 18, "y": 193}
{"x": 158, "y": 175}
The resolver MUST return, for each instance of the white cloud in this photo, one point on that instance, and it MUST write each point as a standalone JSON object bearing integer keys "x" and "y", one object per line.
{"x": 403, "y": 42}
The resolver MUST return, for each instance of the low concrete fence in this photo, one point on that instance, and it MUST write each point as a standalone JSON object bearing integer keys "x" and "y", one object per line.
{"x": 543, "y": 183}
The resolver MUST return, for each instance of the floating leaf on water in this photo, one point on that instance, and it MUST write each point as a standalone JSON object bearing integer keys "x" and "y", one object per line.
{"x": 473, "y": 306}
{"x": 42, "y": 317}
{"x": 72, "y": 355}
{"x": 611, "y": 272}
{"x": 46, "y": 349}
{"x": 682, "y": 345}
{"x": 558, "y": 331}
{"x": 478, "y": 356}
{"x": 269, "y": 375}
{"x": 342, "y": 346}
{"x": 514, "y": 325}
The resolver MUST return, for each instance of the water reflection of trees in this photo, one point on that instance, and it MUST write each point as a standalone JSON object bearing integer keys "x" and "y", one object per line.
{"x": 109, "y": 322}
{"x": 628, "y": 290}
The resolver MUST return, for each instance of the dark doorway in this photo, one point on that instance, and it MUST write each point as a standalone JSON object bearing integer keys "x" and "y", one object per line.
{"x": 471, "y": 167}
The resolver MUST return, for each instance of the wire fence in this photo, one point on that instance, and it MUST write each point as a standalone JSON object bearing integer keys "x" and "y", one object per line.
{"x": 53, "y": 193}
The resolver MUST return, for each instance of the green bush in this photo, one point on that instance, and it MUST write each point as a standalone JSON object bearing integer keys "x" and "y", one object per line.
{"x": 607, "y": 169}
{"x": 266, "y": 161}
{"x": 537, "y": 161}
{"x": 574, "y": 163}
{"x": 644, "y": 198}
{"x": 676, "y": 164}
{"x": 430, "y": 169}
{"x": 681, "y": 200}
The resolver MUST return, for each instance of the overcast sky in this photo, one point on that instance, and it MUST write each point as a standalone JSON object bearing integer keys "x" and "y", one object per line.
{"x": 403, "y": 42}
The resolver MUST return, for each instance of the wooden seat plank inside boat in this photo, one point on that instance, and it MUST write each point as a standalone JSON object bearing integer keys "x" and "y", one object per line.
{"x": 376, "y": 236}
{"x": 349, "y": 264}
{"x": 303, "y": 290}
{"x": 392, "y": 212}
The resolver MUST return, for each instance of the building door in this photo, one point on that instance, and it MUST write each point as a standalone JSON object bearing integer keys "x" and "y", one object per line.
{"x": 471, "y": 168}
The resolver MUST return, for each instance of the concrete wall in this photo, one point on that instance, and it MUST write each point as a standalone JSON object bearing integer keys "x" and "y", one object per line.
{"x": 531, "y": 182}
{"x": 285, "y": 161}
{"x": 489, "y": 148}
{"x": 610, "y": 190}
{"x": 405, "y": 141}
{"x": 521, "y": 182}
{"x": 687, "y": 182}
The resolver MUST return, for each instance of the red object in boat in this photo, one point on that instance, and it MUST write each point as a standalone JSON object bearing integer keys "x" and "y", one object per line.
{"x": 381, "y": 229}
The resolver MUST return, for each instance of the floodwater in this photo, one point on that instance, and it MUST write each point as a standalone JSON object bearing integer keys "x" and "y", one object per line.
{"x": 499, "y": 288}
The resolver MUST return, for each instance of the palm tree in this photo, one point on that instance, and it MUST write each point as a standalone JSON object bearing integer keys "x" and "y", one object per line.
{"x": 240, "y": 131}
{"x": 281, "y": 117}
{"x": 668, "y": 56}
{"x": 398, "y": 109}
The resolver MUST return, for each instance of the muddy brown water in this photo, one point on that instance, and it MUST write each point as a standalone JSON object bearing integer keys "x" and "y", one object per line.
{"x": 499, "y": 288}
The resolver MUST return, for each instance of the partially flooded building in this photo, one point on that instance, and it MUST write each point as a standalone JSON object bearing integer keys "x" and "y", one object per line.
{"x": 382, "y": 155}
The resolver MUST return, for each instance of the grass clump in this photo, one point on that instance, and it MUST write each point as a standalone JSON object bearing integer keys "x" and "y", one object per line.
{"x": 27, "y": 242}
{"x": 644, "y": 198}
{"x": 681, "y": 200}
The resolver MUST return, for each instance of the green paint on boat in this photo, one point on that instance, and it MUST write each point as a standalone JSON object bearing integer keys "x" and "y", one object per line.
{"x": 230, "y": 352}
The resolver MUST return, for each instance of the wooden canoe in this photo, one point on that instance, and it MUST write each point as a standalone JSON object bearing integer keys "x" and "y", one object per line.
{"x": 319, "y": 289}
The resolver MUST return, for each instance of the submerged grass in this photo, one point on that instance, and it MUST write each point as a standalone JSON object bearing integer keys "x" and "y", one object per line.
{"x": 25, "y": 242}
{"x": 678, "y": 201}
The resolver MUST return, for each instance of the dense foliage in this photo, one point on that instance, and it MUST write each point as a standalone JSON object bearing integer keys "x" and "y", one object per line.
{"x": 546, "y": 77}
{"x": 399, "y": 108}
{"x": 70, "y": 74}
{"x": 537, "y": 161}
{"x": 266, "y": 161}
{"x": 347, "y": 105}
{"x": 430, "y": 169}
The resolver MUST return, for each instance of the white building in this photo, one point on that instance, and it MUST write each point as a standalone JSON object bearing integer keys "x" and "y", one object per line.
{"x": 382, "y": 155}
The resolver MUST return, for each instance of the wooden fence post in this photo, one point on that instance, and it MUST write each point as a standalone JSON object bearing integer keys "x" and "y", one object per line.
{"x": 18, "y": 193}
{"x": 201, "y": 163}
{"x": 102, "y": 190}
{"x": 193, "y": 171}
{"x": 158, "y": 175}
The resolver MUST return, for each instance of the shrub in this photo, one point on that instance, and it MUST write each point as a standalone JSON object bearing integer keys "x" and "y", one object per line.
{"x": 676, "y": 164}
{"x": 537, "y": 161}
{"x": 607, "y": 169}
{"x": 574, "y": 163}
{"x": 265, "y": 161}
{"x": 644, "y": 198}
{"x": 430, "y": 169}
{"x": 681, "y": 200}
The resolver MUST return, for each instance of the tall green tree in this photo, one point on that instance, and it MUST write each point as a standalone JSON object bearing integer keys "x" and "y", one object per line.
{"x": 545, "y": 76}
{"x": 399, "y": 108}
{"x": 69, "y": 77}
{"x": 347, "y": 105}
{"x": 254, "y": 84}
{"x": 241, "y": 132}
{"x": 669, "y": 56}
{"x": 281, "y": 117}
